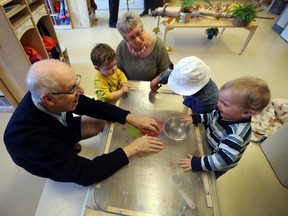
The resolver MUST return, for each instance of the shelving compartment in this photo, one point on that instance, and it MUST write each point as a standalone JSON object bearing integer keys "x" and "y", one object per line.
{"x": 22, "y": 25}
{"x": 66, "y": 24}
{"x": 31, "y": 38}
{"x": 37, "y": 11}
{"x": 34, "y": 3}
{"x": 46, "y": 22}
{"x": 12, "y": 8}
{"x": 19, "y": 19}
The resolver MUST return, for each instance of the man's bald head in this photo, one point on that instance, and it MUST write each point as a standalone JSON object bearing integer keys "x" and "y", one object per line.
{"x": 47, "y": 76}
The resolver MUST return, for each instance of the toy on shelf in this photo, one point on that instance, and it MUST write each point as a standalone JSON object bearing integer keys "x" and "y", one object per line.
{"x": 63, "y": 15}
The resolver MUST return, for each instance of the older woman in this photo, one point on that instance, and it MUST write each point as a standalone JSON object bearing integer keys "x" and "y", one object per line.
{"x": 140, "y": 55}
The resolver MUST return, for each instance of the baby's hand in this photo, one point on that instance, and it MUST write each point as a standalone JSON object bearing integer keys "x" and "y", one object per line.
{"x": 154, "y": 84}
{"x": 185, "y": 163}
{"x": 124, "y": 87}
{"x": 186, "y": 118}
{"x": 124, "y": 84}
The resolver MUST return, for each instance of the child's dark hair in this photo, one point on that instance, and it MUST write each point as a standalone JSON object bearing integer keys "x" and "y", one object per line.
{"x": 101, "y": 54}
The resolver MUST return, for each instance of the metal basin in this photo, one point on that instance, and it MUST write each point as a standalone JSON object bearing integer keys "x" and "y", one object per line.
{"x": 175, "y": 129}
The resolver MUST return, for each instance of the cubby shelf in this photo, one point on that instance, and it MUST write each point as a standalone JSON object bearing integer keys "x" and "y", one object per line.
{"x": 18, "y": 28}
{"x": 54, "y": 15}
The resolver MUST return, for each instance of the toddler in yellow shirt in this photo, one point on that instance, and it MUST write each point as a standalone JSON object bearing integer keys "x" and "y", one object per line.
{"x": 110, "y": 83}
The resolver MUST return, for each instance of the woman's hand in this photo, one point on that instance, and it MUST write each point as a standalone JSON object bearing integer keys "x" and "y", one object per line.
{"x": 186, "y": 163}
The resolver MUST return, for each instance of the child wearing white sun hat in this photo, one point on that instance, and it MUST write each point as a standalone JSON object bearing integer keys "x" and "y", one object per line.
{"x": 191, "y": 78}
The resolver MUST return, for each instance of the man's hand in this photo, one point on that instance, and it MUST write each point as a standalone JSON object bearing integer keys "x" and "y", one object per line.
{"x": 144, "y": 123}
{"x": 186, "y": 163}
{"x": 142, "y": 145}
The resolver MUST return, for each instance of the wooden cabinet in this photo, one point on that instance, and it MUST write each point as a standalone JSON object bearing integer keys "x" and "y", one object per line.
{"x": 18, "y": 28}
{"x": 80, "y": 13}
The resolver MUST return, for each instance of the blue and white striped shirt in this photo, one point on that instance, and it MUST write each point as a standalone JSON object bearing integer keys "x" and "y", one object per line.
{"x": 227, "y": 141}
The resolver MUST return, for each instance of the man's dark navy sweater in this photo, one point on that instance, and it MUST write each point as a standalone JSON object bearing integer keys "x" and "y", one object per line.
{"x": 43, "y": 146}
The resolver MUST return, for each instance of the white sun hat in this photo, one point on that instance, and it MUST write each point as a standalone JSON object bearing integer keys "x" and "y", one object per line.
{"x": 189, "y": 76}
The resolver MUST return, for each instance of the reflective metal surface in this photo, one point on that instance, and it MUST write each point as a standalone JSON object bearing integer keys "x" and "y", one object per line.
{"x": 153, "y": 184}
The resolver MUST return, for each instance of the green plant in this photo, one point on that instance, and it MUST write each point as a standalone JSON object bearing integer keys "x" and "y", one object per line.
{"x": 212, "y": 32}
{"x": 186, "y": 5}
{"x": 243, "y": 12}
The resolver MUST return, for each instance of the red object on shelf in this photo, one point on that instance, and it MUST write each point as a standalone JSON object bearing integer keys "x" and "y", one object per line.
{"x": 49, "y": 42}
{"x": 57, "y": 6}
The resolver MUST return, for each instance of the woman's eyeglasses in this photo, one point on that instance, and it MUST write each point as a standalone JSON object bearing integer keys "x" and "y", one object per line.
{"x": 137, "y": 35}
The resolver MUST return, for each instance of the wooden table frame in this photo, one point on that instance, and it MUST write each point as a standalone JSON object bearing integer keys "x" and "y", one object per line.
{"x": 208, "y": 22}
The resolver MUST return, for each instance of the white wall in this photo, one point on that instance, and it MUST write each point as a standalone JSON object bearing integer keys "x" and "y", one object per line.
{"x": 133, "y": 4}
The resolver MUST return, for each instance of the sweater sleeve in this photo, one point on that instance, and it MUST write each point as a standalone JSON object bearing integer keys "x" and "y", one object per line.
{"x": 227, "y": 142}
{"x": 85, "y": 172}
{"x": 164, "y": 76}
{"x": 227, "y": 153}
{"x": 163, "y": 57}
{"x": 119, "y": 56}
{"x": 196, "y": 118}
{"x": 42, "y": 145}
{"x": 101, "y": 110}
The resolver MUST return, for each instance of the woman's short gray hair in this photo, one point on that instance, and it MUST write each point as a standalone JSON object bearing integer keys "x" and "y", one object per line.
{"x": 128, "y": 22}
{"x": 39, "y": 81}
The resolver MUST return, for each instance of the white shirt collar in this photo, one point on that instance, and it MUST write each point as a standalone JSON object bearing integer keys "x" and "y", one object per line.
{"x": 61, "y": 118}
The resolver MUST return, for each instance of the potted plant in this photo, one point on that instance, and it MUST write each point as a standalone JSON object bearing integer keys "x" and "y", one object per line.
{"x": 212, "y": 32}
{"x": 243, "y": 14}
{"x": 186, "y": 5}
{"x": 185, "y": 12}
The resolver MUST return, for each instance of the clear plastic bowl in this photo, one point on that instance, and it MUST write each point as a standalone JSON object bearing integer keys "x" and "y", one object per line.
{"x": 175, "y": 129}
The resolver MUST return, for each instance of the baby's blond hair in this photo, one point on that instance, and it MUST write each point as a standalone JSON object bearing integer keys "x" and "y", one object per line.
{"x": 251, "y": 92}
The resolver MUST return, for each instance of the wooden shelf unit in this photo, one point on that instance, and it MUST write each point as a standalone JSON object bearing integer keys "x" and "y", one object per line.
{"x": 80, "y": 13}
{"x": 18, "y": 28}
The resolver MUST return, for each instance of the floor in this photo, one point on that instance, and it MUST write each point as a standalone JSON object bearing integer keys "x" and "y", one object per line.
{"x": 250, "y": 189}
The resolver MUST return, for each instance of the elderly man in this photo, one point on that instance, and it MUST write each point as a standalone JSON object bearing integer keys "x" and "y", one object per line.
{"x": 42, "y": 131}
